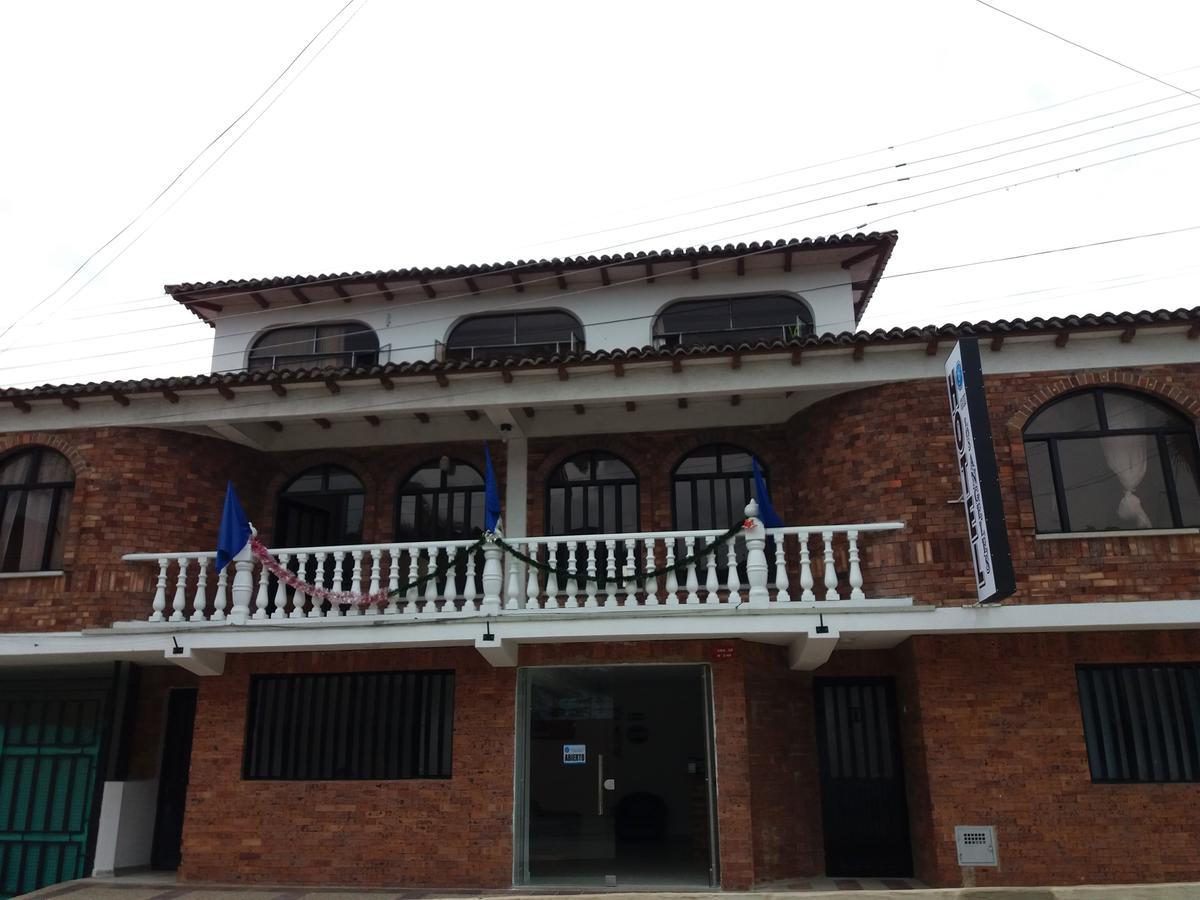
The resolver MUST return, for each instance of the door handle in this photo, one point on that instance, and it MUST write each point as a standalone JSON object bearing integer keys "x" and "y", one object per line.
{"x": 610, "y": 784}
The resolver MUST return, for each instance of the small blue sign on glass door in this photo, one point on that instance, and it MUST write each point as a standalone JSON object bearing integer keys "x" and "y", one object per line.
{"x": 574, "y": 754}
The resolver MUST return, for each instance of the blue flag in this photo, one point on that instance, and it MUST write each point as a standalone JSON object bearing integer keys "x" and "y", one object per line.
{"x": 766, "y": 511}
{"x": 235, "y": 530}
{"x": 491, "y": 496}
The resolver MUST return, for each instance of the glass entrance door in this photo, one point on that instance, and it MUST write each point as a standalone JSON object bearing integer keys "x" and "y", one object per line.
{"x": 616, "y": 786}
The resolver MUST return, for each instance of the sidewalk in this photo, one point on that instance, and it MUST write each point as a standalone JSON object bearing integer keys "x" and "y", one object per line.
{"x": 158, "y": 887}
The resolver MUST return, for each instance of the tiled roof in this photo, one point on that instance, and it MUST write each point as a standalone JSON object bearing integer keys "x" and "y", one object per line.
{"x": 1002, "y": 327}
{"x": 565, "y": 264}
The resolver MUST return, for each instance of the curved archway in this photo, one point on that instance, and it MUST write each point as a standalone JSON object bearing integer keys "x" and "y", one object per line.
{"x": 1110, "y": 459}
{"x": 36, "y": 485}
{"x": 322, "y": 506}
{"x": 440, "y": 500}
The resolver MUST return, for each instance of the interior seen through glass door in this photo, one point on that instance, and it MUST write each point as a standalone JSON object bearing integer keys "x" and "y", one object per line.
{"x": 618, "y": 787}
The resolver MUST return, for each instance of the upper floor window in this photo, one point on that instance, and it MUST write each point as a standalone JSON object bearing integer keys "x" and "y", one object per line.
{"x": 326, "y": 344}
{"x": 592, "y": 493}
{"x": 714, "y": 320}
{"x": 35, "y": 496}
{"x": 1104, "y": 460}
{"x": 711, "y": 487}
{"x": 441, "y": 501}
{"x": 322, "y": 506}
{"x": 515, "y": 334}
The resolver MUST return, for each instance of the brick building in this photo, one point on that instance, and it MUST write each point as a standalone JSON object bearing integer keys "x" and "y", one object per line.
{"x": 641, "y": 683}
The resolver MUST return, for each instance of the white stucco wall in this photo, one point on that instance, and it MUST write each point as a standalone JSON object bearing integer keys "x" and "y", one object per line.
{"x": 616, "y": 317}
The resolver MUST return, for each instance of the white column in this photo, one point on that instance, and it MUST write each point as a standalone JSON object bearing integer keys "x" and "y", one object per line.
{"x": 516, "y": 488}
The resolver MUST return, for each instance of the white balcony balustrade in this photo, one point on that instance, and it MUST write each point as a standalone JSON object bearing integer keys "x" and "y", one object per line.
{"x": 674, "y": 570}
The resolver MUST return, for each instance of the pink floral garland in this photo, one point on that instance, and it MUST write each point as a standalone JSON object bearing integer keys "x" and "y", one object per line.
{"x": 292, "y": 580}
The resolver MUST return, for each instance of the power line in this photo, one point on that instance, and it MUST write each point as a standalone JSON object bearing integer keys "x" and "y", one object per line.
{"x": 179, "y": 175}
{"x": 1080, "y": 46}
{"x": 534, "y": 281}
{"x": 888, "y": 276}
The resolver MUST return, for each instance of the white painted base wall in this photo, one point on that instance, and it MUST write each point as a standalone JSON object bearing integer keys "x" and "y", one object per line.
{"x": 125, "y": 834}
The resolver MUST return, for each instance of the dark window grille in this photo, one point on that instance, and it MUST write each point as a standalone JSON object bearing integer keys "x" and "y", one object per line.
{"x": 593, "y": 493}
{"x": 372, "y": 726}
{"x": 324, "y": 345}
{"x": 1141, "y": 723}
{"x": 320, "y": 507}
{"x": 442, "y": 500}
{"x": 35, "y": 497}
{"x": 515, "y": 335}
{"x": 1108, "y": 460}
{"x": 719, "y": 320}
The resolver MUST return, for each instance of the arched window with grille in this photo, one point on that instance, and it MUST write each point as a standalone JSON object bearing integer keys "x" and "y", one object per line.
{"x": 35, "y": 499}
{"x": 515, "y": 334}
{"x": 711, "y": 486}
{"x": 719, "y": 320}
{"x": 592, "y": 493}
{"x": 441, "y": 500}
{"x": 321, "y": 345}
{"x": 1107, "y": 459}
{"x": 320, "y": 507}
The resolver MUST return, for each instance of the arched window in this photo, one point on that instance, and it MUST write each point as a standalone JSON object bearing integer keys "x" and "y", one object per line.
{"x": 711, "y": 487}
{"x": 1104, "y": 460}
{"x": 592, "y": 493}
{"x": 716, "y": 320}
{"x": 35, "y": 497}
{"x": 515, "y": 334}
{"x": 320, "y": 507}
{"x": 441, "y": 501}
{"x": 325, "y": 344}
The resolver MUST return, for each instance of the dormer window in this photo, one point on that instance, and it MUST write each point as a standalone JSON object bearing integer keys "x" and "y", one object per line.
{"x": 324, "y": 345}
{"x": 723, "y": 320}
{"x": 515, "y": 334}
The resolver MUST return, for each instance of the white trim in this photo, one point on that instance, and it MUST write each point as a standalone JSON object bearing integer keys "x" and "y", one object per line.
{"x": 48, "y": 573}
{"x": 1092, "y": 535}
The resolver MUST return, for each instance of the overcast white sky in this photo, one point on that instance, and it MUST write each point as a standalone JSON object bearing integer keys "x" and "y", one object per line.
{"x": 439, "y": 133}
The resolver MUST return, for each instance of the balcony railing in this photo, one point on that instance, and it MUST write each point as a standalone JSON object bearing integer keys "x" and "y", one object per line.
{"x": 759, "y": 567}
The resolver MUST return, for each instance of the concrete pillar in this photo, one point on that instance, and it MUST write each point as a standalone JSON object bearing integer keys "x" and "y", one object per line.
{"x": 516, "y": 487}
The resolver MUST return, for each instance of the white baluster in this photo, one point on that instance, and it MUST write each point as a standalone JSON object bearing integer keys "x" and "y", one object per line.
{"x": 532, "y": 588}
{"x": 221, "y": 598}
{"x": 831, "y": 581}
{"x": 179, "y": 601}
{"x": 373, "y": 585}
{"x": 856, "y": 578}
{"x": 610, "y": 573}
{"x": 431, "y": 590}
{"x": 552, "y": 588}
{"x": 629, "y": 584}
{"x": 672, "y": 585}
{"x": 756, "y": 558}
{"x": 591, "y": 575}
{"x": 262, "y": 599}
{"x": 649, "y": 586}
{"x": 393, "y": 604}
{"x": 355, "y": 564}
{"x": 414, "y": 572}
{"x": 493, "y": 578}
{"x": 469, "y": 592}
{"x": 281, "y": 591}
{"x": 450, "y": 592}
{"x": 692, "y": 582}
{"x": 299, "y": 597}
{"x": 806, "y": 575}
{"x": 317, "y": 611}
{"x": 572, "y": 581}
{"x": 514, "y": 589}
{"x": 338, "y": 579}
{"x": 712, "y": 583}
{"x": 733, "y": 581}
{"x": 200, "y": 600}
{"x": 160, "y": 591}
{"x": 243, "y": 587}
{"x": 781, "y": 574}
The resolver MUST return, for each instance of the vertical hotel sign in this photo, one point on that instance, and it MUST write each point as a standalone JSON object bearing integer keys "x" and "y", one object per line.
{"x": 994, "y": 578}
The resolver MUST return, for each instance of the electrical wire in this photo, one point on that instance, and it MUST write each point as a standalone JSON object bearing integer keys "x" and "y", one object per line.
{"x": 886, "y": 276}
{"x": 184, "y": 171}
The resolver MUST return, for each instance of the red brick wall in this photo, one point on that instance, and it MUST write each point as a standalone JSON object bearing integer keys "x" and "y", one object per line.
{"x": 887, "y": 453}
{"x": 1001, "y": 727}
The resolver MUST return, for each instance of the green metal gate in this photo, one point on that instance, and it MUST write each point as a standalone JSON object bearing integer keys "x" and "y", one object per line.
{"x": 50, "y": 741}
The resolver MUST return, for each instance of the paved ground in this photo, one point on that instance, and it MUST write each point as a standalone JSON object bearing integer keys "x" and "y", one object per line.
{"x": 160, "y": 888}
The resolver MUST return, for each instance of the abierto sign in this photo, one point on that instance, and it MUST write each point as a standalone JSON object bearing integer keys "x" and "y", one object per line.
{"x": 976, "y": 456}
